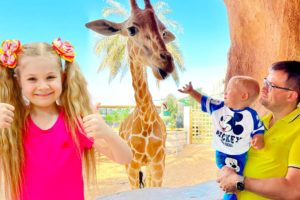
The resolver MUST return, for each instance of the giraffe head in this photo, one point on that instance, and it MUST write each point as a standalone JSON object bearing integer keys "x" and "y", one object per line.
{"x": 147, "y": 38}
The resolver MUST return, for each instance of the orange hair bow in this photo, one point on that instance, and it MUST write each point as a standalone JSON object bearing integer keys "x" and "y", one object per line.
{"x": 8, "y": 53}
{"x": 64, "y": 49}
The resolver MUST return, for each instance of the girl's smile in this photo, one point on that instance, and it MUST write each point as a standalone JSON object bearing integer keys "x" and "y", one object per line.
{"x": 41, "y": 80}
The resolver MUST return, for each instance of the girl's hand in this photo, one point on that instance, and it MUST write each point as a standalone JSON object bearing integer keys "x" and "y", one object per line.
{"x": 6, "y": 115}
{"x": 93, "y": 126}
{"x": 105, "y": 140}
{"x": 188, "y": 88}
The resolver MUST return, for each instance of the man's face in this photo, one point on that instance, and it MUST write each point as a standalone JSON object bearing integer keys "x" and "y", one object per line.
{"x": 273, "y": 97}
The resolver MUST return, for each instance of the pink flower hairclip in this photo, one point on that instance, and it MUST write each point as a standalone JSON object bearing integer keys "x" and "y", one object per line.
{"x": 8, "y": 53}
{"x": 64, "y": 49}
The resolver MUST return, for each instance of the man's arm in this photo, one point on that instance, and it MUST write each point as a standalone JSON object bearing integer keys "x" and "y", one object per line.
{"x": 277, "y": 188}
{"x": 287, "y": 187}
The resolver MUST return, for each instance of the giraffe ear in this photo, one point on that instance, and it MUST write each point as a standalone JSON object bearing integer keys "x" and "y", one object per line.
{"x": 168, "y": 36}
{"x": 105, "y": 27}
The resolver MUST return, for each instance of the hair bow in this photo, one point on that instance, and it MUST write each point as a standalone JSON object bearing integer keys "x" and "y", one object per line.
{"x": 8, "y": 53}
{"x": 64, "y": 49}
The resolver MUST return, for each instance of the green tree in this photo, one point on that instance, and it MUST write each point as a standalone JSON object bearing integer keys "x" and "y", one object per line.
{"x": 116, "y": 116}
{"x": 190, "y": 101}
{"x": 113, "y": 48}
{"x": 171, "y": 107}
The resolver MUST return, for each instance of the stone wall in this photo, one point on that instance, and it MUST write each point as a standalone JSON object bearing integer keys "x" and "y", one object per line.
{"x": 262, "y": 32}
{"x": 176, "y": 140}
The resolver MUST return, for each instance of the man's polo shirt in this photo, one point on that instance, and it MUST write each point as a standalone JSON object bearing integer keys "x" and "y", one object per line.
{"x": 282, "y": 148}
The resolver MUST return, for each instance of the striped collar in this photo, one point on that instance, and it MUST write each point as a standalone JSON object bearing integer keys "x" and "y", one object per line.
{"x": 288, "y": 118}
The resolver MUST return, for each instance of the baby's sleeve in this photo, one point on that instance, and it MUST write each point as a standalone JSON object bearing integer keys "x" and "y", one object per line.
{"x": 209, "y": 105}
{"x": 258, "y": 126}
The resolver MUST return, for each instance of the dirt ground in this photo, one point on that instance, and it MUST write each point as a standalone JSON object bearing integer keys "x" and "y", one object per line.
{"x": 194, "y": 164}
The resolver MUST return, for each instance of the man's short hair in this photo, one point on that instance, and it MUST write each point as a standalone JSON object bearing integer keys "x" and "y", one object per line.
{"x": 292, "y": 68}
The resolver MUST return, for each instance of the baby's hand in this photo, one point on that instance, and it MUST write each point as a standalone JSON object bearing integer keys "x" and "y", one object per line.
{"x": 257, "y": 141}
{"x": 188, "y": 88}
{"x": 6, "y": 115}
{"x": 93, "y": 125}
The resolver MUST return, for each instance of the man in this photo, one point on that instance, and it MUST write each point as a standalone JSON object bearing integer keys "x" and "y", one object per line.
{"x": 274, "y": 171}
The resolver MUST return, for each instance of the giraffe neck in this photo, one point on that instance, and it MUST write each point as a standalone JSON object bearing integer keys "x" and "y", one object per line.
{"x": 142, "y": 94}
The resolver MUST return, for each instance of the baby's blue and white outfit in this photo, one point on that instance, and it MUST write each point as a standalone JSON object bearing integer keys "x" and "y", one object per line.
{"x": 232, "y": 133}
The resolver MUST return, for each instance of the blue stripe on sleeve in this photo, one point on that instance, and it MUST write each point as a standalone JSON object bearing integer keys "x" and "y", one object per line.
{"x": 203, "y": 103}
{"x": 215, "y": 104}
{"x": 258, "y": 126}
{"x": 210, "y": 105}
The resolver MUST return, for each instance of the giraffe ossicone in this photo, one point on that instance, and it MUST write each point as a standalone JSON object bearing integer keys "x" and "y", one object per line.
{"x": 143, "y": 129}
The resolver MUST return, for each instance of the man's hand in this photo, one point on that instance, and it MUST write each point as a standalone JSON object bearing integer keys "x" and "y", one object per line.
{"x": 227, "y": 179}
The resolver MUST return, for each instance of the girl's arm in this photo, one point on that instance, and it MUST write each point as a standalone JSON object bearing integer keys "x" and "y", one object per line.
{"x": 105, "y": 140}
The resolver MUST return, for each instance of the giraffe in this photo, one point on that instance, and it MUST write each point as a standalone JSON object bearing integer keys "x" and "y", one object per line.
{"x": 143, "y": 129}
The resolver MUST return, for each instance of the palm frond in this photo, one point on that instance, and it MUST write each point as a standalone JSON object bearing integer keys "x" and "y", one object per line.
{"x": 115, "y": 8}
{"x": 125, "y": 66}
{"x": 173, "y": 48}
{"x": 162, "y": 9}
{"x": 160, "y": 5}
{"x": 113, "y": 49}
{"x": 175, "y": 77}
{"x": 117, "y": 57}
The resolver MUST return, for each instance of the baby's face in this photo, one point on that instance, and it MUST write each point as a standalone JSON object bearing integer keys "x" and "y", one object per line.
{"x": 232, "y": 95}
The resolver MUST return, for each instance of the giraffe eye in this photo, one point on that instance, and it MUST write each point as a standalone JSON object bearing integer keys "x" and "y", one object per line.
{"x": 132, "y": 30}
{"x": 165, "y": 33}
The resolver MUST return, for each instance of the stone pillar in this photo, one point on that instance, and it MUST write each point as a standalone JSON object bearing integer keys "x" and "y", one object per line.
{"x": 187, "y": 123}
{"x": 262, "y": 32}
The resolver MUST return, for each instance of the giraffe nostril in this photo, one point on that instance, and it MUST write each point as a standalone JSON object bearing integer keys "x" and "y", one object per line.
{"x": 165, "y": 56}
{"x": 162, "y": 73}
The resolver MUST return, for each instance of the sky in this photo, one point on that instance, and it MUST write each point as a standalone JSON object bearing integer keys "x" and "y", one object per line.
{"x": 204, "y": 41}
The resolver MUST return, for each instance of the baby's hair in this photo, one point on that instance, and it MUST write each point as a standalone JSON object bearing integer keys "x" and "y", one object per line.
{"x": 249, "y": 85}
{"x": 74, "y": 100}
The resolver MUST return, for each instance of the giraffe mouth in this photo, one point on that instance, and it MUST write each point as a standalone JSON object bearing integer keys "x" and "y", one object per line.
{"x": 162, "y": 73}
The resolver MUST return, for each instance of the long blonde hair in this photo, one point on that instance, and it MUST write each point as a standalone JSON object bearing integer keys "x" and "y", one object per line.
{"x": 74, "y": 100}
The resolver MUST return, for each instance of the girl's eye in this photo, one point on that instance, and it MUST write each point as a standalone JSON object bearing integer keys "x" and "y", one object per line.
{"x": 50, "y": 77}
{"x": 31, "y": 79}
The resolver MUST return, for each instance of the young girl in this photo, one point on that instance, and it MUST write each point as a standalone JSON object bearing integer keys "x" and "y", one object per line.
{"x": 47, "y": 125}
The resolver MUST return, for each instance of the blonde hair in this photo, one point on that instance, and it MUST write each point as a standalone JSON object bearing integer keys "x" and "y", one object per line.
{"x": 74, "y": 100}
{"x": 248, "y": 85}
